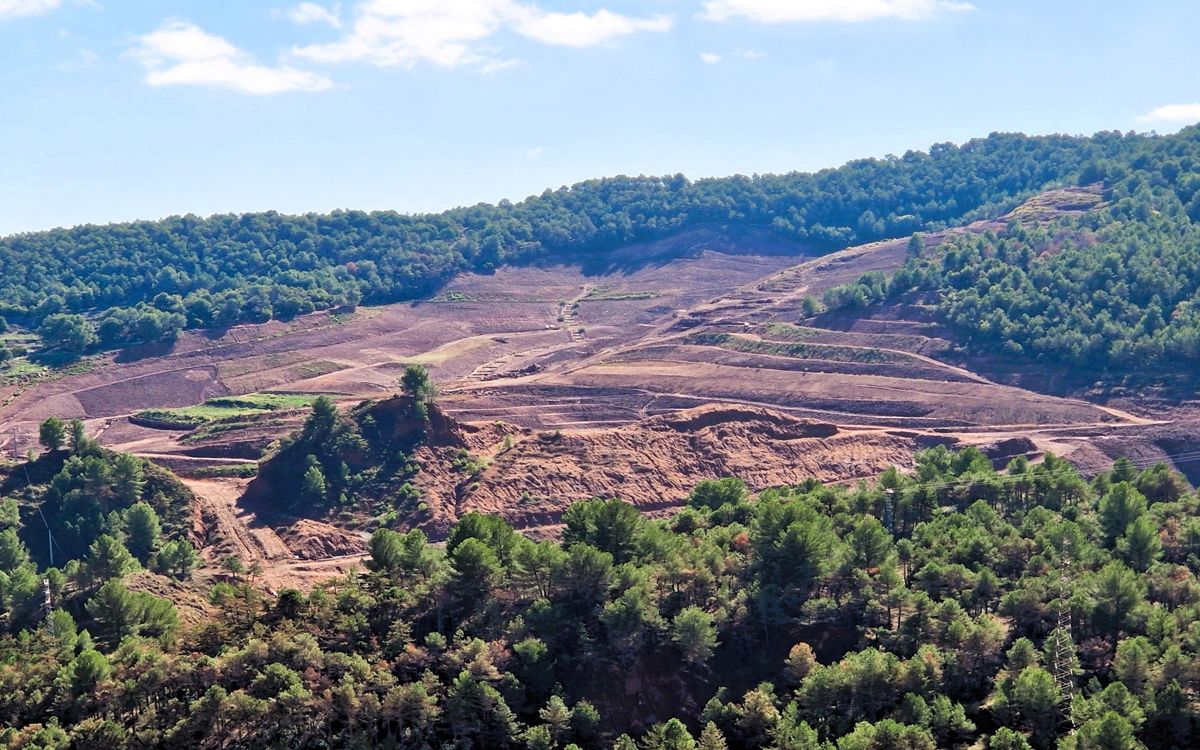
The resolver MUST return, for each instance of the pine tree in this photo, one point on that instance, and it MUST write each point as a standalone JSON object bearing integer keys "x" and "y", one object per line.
{"x": 178, "y": 558}
{"x": 52, "y": 433}
{"x": 711, "y": 738}
{"x": 128, "y": 478}
{"x": 312, "y": 486}
{"x": 416, "y": 383}
{"x": 108, "y": 558}
{"x": 142, "y": 531}
{"x": 557, "y": 717}
{"x": 1141, "y": 546}
{"x": 916, "y": 246}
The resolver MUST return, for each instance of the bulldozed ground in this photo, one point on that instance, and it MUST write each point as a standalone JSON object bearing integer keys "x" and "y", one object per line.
{"x": 671, "y": 362}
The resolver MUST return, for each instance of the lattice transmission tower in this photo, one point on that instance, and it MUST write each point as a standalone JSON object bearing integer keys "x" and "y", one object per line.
{"x": 1061, "y": 650}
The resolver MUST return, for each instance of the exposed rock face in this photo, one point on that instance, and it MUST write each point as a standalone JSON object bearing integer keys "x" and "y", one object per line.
{"x": 655, "y": 463}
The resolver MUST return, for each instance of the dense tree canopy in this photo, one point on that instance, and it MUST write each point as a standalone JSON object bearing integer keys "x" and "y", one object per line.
{"x": 1118, "y": 288}
{"x": 145, "y": 281}
{"x": 923, "y": 610}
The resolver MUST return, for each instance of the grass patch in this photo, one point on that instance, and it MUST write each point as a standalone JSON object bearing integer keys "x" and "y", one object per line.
{"x": 791, "y": 332}
{"x": 237, "y": 471}
{"x": 454, "y": 297}
{"x": 606, "y": 294}
{"x": 226, "y": 426}
{"x": 20, "y": 369}
{"x": 829, "y": 352}
{"x": 225, "y": 408}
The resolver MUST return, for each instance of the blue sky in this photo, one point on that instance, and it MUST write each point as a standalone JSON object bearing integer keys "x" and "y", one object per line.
{"x": 123, "y": 109}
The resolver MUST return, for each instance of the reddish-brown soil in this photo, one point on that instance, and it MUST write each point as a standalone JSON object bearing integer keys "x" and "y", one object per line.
{"x": 597, "y": 366}
{"x": 655, "y": 463}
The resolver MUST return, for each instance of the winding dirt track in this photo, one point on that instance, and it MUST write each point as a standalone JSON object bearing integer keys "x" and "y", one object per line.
{"x": 249, "y": 538}
{"x": 241, "y": 533}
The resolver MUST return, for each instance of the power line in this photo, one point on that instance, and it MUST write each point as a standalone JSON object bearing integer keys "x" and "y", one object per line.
{"x": 51, "y": 544}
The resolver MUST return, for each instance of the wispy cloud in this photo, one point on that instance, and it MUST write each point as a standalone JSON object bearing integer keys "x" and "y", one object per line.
{"x": 452, "y": 33}
{"x": 181, "y": 53}
{"x": 306, "y": 13}
{"x": 712, "y": 58}
{"x": 845, "y": 11}
{"x": 1173, "y": 113}
{"x": 15, "y": 8}
{"x": 84, "y": 59}
{"x": 583, "y": 29}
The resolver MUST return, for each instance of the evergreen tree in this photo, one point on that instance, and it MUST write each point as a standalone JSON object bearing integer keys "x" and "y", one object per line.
{"x": 711, "y": 738}
{"x": 1140, "y": 547}
{"x": 694, "y": 633}
{"x": 1118, "y": 509}
{"x": 79, "y": 439}
{"x": 51, "y": 433}
{"x": 416, "y": 383}
{"x": 142, "y": 531}
{"x": 178, "y": 558}
{"x": 108, "y": 558}
{"x": 128, "y": 478}
{"x": 88, "y": 670}
{"x": 313, "y": 488}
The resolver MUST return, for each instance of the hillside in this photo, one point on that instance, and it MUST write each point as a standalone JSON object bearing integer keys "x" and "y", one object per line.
{"x": 805, "y": 462}
{"x": 710, "y": 318}
{"x": 428, "y": 475}
{"x": 143, "y": 282}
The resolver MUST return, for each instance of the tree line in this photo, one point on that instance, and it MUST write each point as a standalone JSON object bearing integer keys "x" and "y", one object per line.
{"x": 952, "y": 606}
{"x": 1117, "y": 289}
{"x": 146, "y": 281}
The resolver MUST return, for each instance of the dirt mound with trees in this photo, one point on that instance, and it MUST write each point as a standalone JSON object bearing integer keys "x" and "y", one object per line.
{"x": 654, "y": 463}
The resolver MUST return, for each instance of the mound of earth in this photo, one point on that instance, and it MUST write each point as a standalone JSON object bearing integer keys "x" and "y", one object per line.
{"x": 654, "y": 463}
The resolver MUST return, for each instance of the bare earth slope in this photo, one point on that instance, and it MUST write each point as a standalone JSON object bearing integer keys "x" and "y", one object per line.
{"x": 672, "y": 362}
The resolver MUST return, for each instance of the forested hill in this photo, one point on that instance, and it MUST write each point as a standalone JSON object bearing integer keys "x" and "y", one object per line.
{"x": 144, "y": 281}
{"x": 1117, "y": 289}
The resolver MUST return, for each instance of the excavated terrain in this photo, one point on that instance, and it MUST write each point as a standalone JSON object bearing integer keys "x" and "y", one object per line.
{"x": 631, "y": 376}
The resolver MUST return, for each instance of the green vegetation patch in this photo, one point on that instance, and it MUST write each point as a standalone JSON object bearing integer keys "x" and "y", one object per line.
{"x": 454, "y": 297}
{"x": 225, "y": 407}
{"x": 607, "y": 294}
{"x": 830, "y": 352}
{"x": 212, "y": 430}
{"x": 16, "y": 370}
{"x": 792, "y": 332}
{"x": 239, "y": 471}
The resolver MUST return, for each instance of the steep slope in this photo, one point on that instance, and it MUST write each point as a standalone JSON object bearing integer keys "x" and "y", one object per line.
{"x": 406, "y": 471}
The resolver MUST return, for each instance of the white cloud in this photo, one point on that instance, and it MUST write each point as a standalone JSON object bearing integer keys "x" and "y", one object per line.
{"x": 306, "y": 13}
{"x": 499, "y": 64}
{"x": 14, "y": 8}
{"x": 846, "y": 11}
{"x": 451, "y": 33}
{"x": 584, "y": 30}
{"x": 404, "y": 32}
{"x": 181, "y": 53}
{"x": 1173, "y": 113}
{"x": 712, "y": 58}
